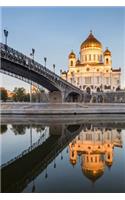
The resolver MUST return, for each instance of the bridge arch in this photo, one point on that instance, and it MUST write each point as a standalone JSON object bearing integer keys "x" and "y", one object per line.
{"x": 73, "y": 97}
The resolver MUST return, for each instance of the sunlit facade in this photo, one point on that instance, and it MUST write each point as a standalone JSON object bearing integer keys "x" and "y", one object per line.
{"x": 94, "y": 147}
{"x": 93, "y": 71}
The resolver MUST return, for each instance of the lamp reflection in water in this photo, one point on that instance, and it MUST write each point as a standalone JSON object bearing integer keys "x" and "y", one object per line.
{"x": 95, "y": 147}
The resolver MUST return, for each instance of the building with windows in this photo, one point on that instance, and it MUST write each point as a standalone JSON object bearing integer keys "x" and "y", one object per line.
{"x": 93, "y": 72}
{"x": 94, "y": 148}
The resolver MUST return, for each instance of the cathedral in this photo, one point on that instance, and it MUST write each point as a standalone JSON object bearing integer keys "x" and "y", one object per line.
{"x": 93, "y": 72}
{"x": 94, "y": 148}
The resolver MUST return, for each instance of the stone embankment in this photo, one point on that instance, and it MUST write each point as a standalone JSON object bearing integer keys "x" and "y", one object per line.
{"x": 61, "y": 109}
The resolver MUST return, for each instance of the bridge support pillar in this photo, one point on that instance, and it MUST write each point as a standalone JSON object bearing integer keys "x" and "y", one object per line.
{"x": 55, "y": 97}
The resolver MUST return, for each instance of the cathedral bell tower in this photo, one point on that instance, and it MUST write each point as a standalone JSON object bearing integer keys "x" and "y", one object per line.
{"x": 107, "y": 57}
{"x": 72, "y": 59}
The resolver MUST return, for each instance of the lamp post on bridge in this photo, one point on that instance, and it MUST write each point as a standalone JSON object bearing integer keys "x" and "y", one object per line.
{"x": 54, "y": 68}
{"x": 32, "y": 55}
{"x": 6, "y": 35}
{"x": 45, "y": 59}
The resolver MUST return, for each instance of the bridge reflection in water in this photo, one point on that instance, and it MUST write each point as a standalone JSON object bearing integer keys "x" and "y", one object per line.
{"x": 92, "y": 144}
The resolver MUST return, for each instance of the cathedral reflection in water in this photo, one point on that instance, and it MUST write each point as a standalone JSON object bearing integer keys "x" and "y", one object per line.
{"x": 46, "y": 149}
{"x": 95, "y": 146}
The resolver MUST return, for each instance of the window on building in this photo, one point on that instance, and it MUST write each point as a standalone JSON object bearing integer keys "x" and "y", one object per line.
{"x": 88, "y": 136}
{"x": 72, "y": 153}
{"x": 71, "y": 63}
{"x": 98, "y": 58}
{"x": 89, "y": 57}
{"x": 72, "y": 73}
{"x": 94, "y": 57}
{"x": 85, "y": 57}
{"x": 87, "y": 69}
{"x": 108, "y": 156}
{"x": 118, "y": 81}
{"x": 107, "y": 61}
{"x": 87, "y": 80}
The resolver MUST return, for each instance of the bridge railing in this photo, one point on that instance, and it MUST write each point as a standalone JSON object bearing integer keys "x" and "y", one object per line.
{"x": 17, "y": 57}
{"x": 26, "y": 151}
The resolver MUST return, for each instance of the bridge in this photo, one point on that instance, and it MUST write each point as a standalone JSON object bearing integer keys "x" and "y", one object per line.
{"x": 18, "y": 172}
{"x": 18, "y": 65}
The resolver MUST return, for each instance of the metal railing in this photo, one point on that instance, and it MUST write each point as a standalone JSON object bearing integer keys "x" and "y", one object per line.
{"x": 12, "y": 55}
{"x": 32, "y": 147}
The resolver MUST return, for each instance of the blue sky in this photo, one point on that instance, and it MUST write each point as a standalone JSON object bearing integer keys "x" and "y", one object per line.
{"x": 55, "y": 31}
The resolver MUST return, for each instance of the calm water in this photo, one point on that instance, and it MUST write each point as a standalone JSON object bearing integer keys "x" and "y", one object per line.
{"x": 63, "y": 155}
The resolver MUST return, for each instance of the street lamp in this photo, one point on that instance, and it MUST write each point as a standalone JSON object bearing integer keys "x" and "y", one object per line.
{"x": 46, "y": 173}
{"x": 61, "y": 156}
{"x": 6, "y": 35}
{"x": 32, "y": 55}
{"x": 54, "y": 68}
{"x": 45, "y": 59}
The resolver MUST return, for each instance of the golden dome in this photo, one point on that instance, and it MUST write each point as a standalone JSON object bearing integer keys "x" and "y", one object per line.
{"x": 107, "y": 52}
{"x": 93, "y": 175}
{"x": 72, "y": 55}
{"x": 78, "y": 61}
{"x": 91, "y": 42}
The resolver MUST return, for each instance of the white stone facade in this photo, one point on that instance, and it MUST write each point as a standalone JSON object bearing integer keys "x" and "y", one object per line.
{"x": 93, "y": 72}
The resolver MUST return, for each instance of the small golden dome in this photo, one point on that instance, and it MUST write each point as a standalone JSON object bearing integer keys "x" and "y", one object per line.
{"x": 91, "y": 42}
{"x": 73, "y": 162}
{"x": 109, "y": 163}
{"x": 78, "y": 61}
{"x": 107, "y": 52}
{"x": 72, "y": 55}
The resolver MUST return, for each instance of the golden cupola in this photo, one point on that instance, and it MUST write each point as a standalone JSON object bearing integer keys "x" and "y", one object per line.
{"x": 107, "y": 52}
{"x": 91, "y": 42}
{"x": 72, "y": 55}
{"x": 91, "y": 51}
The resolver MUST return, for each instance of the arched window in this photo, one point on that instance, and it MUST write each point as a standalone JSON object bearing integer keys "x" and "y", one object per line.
{"x": 94, "y": 57}
{"x": 71, "y": 63}
{"x": 100, "y": 58}
{"x": 89, "y": 57}
{"x": 107, "y": 61}
{"x": 108, "y": 156}
{"x": 85, "y": 57}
